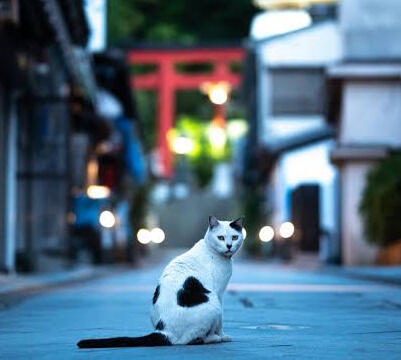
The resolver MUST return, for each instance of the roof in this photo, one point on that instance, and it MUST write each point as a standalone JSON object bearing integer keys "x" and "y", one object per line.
{"x": 325, "y": 132}
{"x": 359, "y": 153}
{"x": 285, "y": 133}
{"x": 314, "y": 25}
{"x": 365, "y": 71}
{"x": 319, "y": 45}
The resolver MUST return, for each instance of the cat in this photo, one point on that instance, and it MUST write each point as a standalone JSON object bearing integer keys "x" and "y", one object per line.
{"x": 187, "y": 306}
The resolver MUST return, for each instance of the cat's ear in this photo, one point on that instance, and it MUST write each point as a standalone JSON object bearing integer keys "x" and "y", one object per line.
{"x": 238, "y": 224}
{"x": 213, "y": 222}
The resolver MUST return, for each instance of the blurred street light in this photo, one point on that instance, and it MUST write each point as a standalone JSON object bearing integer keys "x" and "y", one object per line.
{"x": 157, "y": 235}
{"x": 217, "y": 92}
{"x": 244, "y": 233}
{"x": 98, "y": 192}
{"x": 217, "y": 137}
{"x": 107, "y": 219}
{"x": 218, "y": 95}
{"x": 236, "y": 129}
{"x": 144, "y": 236}
{"x": 266, "y": 234}
{"x": 182, "y": 145}
{"x": 286, "y": 230}
{"x": 285, "y": 4}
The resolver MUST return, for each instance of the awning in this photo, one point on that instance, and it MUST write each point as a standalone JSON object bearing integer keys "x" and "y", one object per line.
{"x": 76, "y": 58}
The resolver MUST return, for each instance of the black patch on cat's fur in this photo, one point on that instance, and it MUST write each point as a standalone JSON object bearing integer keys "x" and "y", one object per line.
{"x": 236, "y": 227}
{"x": 192, "y": 293}
{"x": 160, "y": 325}
{"x": 237, "y": 224}
{"x": 156, "y": 294}
{"x": 197, "y": 341}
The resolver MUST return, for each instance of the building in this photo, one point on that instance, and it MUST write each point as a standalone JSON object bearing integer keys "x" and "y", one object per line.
{"x": 43, "y": 58}
{"x": 289, "y": 114}
{"x": 365, "y": 100}
{"x": 335, "y": 79}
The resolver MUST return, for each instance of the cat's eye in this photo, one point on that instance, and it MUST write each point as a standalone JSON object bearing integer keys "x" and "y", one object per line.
{"x": 221, "y": 237}
{"x": 235, "y": 237}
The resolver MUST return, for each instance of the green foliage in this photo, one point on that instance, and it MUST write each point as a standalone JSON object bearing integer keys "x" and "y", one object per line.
{"x": 167, "y": 32}
{"x": 380, "y": 206}
{"x": 178, "y": 20}
{"x": 193, "y": 102}
{"x": 142, "y": 69}
{"x": 124, "y": 19}
{"x": 251, "y": 200}
{"x": 203, "y": 164}
{"x": 204, "y": 156}
{"x": 197, "y": 130}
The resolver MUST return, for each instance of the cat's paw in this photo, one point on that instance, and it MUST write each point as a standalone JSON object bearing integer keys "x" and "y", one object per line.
{"x": 212, "y": 339}
{"x": 226, "y": 338}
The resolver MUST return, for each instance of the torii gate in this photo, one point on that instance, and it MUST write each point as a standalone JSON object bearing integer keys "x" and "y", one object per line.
{"x": 166, "y": 80}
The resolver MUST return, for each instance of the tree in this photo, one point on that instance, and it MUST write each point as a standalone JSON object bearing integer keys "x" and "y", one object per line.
{"x": 380, "y": 205}
{"x": 178, "y": 21}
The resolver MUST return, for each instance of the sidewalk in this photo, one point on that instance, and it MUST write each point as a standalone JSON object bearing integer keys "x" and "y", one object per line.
{"x": 24, "y": 284}
{"x": 386, "y": 274}
{"x": 310, "y": 262}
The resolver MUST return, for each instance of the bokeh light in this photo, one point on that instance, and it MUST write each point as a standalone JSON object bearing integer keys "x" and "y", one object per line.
{"x": 107, "y": 219}
{"x": 98, "y": 192}
{"x": 236, "y": 129}
{"x": 266, "y": 234}
{"x": 182, "y": 145}
{"x": 157, "y": 235}
{"x": 218, "y": 95}
{"x": 287, "y": 230}
{"x": 217, "y": 137}
{"x": 144, "y": 236}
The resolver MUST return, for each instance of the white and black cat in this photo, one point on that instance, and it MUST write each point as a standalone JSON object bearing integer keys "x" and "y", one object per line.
{"x": 188, "y": 301}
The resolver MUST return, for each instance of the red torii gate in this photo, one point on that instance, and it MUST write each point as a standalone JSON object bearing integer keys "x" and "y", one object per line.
{"x": 166, "y": 80}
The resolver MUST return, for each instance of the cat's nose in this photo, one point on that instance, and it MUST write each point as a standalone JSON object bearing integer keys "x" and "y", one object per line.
{"x": 229, "y": 246}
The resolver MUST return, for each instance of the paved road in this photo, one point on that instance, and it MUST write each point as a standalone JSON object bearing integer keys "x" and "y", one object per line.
{"x": 271, "y": 312}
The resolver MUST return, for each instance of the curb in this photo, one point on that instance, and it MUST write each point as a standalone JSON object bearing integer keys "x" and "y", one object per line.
{"x": 367, "y": 274}
{"x": 376, "y": 278}
{"x": 16, "y": 287}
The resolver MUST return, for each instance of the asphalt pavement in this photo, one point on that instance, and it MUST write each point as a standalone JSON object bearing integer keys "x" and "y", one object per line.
{"x": 271, "y": 312}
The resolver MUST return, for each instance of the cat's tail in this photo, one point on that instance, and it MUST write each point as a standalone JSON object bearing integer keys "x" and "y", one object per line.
{"x": 153, "y": 339}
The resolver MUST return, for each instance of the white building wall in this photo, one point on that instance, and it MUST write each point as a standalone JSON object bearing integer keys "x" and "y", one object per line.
{"x": 371, "y": 113}
{"x": 318, "y": 45}
{"x": 307, "y": 165}
{"x": 372, "y": 29}
{"x": 355, "y": 250}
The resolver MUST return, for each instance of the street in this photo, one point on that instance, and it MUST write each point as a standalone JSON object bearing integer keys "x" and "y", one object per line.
{"x": 271, "y": 312}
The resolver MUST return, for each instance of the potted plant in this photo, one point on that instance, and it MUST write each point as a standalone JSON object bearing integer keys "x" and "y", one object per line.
{"x": 380, "y": 209}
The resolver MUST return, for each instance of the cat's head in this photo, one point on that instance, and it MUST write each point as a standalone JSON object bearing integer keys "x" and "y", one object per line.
{"x": 225, "y": 237}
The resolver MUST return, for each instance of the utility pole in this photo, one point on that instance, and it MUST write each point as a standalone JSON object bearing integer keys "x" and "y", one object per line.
{"x": 8, "y": 182}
